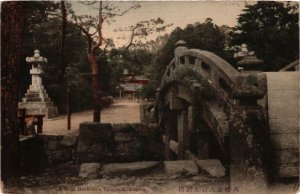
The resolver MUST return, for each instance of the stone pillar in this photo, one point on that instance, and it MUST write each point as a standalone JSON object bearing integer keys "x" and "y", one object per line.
{"x": 183, "y": 134}
{"x": 198, "y": 138}
{"x": 170, "y": 124}
{"x": 180, "y": 47}
{"x": 192, "y": 118}
{"x": 248, "y": 138}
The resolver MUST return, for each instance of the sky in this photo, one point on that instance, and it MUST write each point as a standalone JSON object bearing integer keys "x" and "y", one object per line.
{"x": 177, "y": 12}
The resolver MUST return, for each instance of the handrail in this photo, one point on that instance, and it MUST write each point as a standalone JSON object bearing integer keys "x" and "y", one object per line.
{"x": 291, "y": 65}
{"x": 168, "y": 67}
{"x": 216, "y": 63}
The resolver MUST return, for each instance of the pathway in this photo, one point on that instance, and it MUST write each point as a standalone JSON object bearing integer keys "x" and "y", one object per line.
{"x": 122, "y": 111}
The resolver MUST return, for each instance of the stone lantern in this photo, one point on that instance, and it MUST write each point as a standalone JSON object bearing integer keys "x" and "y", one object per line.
{"x": 247, "y": 59}
{"x": 36, "y": 100}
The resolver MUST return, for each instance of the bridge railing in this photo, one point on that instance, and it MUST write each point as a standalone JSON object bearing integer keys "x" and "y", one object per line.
{"x": 215, "y": 69}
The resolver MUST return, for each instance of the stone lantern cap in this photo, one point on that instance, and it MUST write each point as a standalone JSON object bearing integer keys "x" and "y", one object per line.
{"x": 247, "y": 58}
{"x": 250, "y": 61}
{"x": 36, "y": 58}
{"x": 180, "y": 43}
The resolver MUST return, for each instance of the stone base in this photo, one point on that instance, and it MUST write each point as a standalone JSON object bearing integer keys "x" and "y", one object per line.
{"x": 128, "y": 169}
{"x": 44, "y": 108}
{"x": 37, "y": 101}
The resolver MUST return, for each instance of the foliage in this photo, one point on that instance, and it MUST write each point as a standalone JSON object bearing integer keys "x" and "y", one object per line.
{"x": 271, "y": 30}
{"x": 43, "y": 32}
{"x": 149, "y": 90}
{"x": 205, "y": 36}
{"x": 141, "y": 30}
{"x": 137, "y": 61}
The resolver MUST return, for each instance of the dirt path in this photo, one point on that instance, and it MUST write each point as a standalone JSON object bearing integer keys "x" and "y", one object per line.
{"x": 124, "y": 111}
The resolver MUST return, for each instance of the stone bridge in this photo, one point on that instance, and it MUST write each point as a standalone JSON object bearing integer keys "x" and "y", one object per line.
{"x": 247, "y": 119}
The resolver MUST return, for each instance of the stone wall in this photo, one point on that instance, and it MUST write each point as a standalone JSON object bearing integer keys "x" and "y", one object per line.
{"x": 33, "y": 158}
{"x": 59, "y": 149}
{"x": 118, "y": 143}
{"x": 41, "y": 151}
{"x": 96, "y": 143}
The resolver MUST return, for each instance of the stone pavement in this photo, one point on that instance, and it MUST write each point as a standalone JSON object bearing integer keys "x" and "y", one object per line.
{"x": 122, "y": 111}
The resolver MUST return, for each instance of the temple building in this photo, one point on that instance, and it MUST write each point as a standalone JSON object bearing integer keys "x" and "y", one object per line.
{"x": 132, "y": 84}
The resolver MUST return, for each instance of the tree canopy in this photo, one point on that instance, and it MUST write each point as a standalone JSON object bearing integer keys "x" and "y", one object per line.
{"x": 205, "y": 36}
{"x": 270, "y": 29}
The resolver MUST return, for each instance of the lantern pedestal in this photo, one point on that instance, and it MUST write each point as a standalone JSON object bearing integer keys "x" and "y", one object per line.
{"x": 37, "y": 102}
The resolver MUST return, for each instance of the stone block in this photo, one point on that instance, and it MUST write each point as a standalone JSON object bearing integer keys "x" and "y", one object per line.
{"x": 93, "y": 133}
{"x": 33, "y": 157}
{"x": 53, "y": 145}
{"x": 131, "y": 147}
{"x": 69, "y": 140}
{"x": 180, "y": 167}
{"x": 98, "y": 132}
{"x": 89, "y": 170}
{"x": 213, "y": 167}
{"x": 124, "y": 137}
{"x": 62, "y": 156}
{"x": 117, "y": 169}
{"x": 125, "y": 127}
{"x": 94, "y": 142}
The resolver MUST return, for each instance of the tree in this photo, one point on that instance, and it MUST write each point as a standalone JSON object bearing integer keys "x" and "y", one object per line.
{"x": 141, "y": 30}
{"x": 271, "y": 30}
{"x": 12, "y": 25}
{"x": 44, "y": 32}
{"x": 91, "y": 27}
{"x": 158, "y": 43}
{"x": 63, "y": 39}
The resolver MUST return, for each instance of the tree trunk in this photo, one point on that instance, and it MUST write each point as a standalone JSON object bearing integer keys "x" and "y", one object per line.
{"x": 96, "y": 87}
{"x": 12, "y": 25}
{"x": 63, "y": 39}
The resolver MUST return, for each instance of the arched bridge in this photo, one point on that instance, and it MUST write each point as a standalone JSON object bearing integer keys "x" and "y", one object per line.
{"x": 249, "y": 119}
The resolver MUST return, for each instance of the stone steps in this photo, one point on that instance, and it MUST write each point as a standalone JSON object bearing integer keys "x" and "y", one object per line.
{"x": 36, "y": 96}
{"x": 38, "y": 102}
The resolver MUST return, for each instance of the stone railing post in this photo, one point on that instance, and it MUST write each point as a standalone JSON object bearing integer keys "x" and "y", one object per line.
{"x": 180, "y": 46}
{"x": 248, "y": 138}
